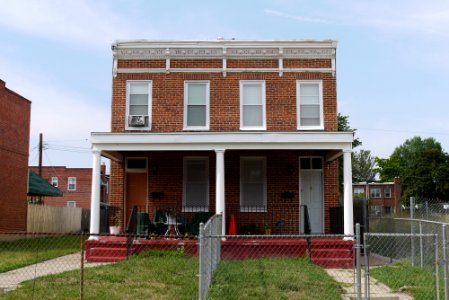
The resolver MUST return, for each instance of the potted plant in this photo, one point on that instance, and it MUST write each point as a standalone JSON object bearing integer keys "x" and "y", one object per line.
{"x": 115, "y": 227}
{"x": 267, "y": 229}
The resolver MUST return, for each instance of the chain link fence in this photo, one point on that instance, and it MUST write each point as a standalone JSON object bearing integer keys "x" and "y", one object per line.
{"x": 212, "y": 266}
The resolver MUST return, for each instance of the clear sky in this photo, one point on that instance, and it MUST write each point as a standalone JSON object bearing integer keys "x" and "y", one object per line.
{"x": 392, "y": 60}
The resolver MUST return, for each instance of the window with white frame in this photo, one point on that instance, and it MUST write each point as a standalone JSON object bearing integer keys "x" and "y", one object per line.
{"x": 309, "y": 104}
{"x": 253, "y": 184}
{"x": 359, "y": 192}
{"x": 54, "y": 181}
{"x": 71, "y": 203}
{"x": 387, "y": 192}
{"x": 375, "y": 193}
{"x": 71, "y": 184}
{"x": 196, "y": 184}
{"x": 138, "y": 104}
{"x": 252, "y": 105}
{"x": 196, "y": 105}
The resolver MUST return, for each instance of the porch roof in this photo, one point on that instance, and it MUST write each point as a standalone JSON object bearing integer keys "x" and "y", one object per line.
{"x": 111, "y": 144}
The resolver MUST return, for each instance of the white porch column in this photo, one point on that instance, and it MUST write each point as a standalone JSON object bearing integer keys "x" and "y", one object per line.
{"x": 220, "y": 186}
{"x": 95, "y": 196}
{"x": 348, "y": 216}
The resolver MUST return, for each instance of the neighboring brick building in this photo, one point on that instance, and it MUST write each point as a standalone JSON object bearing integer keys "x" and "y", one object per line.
{"x": 14, "y": 146}
{"x": 384, "y": 197}
{"x": 243, "y": 128}
{"x": 75, "y": 183}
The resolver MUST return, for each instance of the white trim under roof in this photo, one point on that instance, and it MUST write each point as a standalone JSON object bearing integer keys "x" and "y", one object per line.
{"x": 111, "y": 144}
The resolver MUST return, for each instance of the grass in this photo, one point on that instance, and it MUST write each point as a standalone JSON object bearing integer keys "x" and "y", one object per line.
{"x": 172, "y": 275}
{"x": 403, "y": 277}
{"x": 23, "y": 252}
{"x": 150, "y": 275}
{"x": 275, "y": 278}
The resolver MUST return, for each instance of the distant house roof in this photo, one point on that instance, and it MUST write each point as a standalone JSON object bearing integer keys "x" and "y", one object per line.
{"x": 37, "y": 186}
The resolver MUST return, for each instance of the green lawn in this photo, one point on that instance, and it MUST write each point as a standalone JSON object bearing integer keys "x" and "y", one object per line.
{"x": 171, "y": 275}
{"x": 420, "y": 283}
{"x": 23, "y": 252}
{"x": 275, "y": 278}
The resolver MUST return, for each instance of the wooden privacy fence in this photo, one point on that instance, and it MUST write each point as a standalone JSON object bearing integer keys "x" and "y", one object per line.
{"x": 45, "y": 218}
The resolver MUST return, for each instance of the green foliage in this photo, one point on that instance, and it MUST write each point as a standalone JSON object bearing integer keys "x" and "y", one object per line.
{"x": 363, "y": 166}
{"x": 343, "y": 125}
{"x": 423, "y": 167}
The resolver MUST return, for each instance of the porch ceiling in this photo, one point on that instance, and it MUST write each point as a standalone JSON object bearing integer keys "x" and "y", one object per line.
{"x": 111, "y": 144}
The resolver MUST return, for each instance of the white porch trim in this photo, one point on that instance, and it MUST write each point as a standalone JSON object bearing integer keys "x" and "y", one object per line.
{"x": 112, "y": 144}
{"x": 348, "y": 216}
{"x": 95, "y": 196}
{"x": 220, "y": 187}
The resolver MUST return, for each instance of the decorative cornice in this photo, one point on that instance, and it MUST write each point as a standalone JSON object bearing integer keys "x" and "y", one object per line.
{"x": 222, "y": 49}
{"x": 219, "y": 53}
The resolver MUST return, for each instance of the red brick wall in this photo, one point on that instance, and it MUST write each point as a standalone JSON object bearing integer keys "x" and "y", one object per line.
{"x": 81, "y": 195}
{"x": 168, "y": 100}
{"x": 14, "y": 143}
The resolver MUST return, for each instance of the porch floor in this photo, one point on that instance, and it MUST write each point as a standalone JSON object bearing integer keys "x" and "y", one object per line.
{"x": 329, "y": 253}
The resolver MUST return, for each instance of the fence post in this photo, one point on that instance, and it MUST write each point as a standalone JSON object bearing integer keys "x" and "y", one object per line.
{"x": 365, "y": 256}
{"x": 412, "y": 228}
{"x": 444, "y": 241}
{"x": 82, "y": 268}
{"x": 201, "y": 295}
{"x": 358, "y": 258}
{"x": 437, "y": 270}
{"x": 421, "y": 245}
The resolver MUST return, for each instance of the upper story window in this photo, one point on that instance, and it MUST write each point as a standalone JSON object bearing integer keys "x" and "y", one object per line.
{"x": 138, "y": 104}
{"x": 253, "y": 184}
{"x": 252, "y": 105}
{"x": 359, "y": 192}
{"x": 309, "y": 104}
{"x": 375, "y": 193}
{"x": 196, "y": 184}
{"x": 387, "y": 192}
{"x": 196, "y": 105}
{"x": 71, "y": 184}
{"x": 54, "y": 181}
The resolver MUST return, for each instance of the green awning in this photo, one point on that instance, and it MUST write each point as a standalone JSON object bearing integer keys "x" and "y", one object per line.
{"x": 38, "y": 186}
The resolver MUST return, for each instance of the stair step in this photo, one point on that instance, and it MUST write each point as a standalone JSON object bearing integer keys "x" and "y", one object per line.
{"x": 108, "y": 252}
{"x": 331, "y": 253}
{"x": 334, "y": 262}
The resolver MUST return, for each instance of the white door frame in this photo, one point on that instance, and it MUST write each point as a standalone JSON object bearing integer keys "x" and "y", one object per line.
{"x": 300, "y": 188}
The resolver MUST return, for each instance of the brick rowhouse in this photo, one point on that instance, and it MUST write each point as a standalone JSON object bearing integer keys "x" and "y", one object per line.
{"x": 285, "y": 146}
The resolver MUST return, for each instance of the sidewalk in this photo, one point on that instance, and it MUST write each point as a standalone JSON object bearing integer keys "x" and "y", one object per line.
{"x": 10, "y": 280}
{"x": 377, "y": 289}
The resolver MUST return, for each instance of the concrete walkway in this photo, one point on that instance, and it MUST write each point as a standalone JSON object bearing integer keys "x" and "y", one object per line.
{"x": 377, "y": 289}
{"x": 10, "y": 280}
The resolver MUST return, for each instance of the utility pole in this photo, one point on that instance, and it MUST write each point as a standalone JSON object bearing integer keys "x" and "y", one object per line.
{"x": 40, "y": 153}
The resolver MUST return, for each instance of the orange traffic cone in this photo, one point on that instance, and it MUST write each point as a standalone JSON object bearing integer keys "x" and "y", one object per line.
{"x": 232, "y": 230}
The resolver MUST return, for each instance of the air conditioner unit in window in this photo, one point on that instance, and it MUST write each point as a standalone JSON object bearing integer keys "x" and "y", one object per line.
{"x": 138, "y": 121}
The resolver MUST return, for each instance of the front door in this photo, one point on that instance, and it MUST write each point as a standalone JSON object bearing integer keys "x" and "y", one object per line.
{"x": 136, "y": 192}
{"x": 311, "y": 185}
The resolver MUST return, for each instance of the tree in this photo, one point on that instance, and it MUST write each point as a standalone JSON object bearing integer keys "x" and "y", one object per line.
{"x": 343, "y": 125}
{"x": 422, "y": 166}
{"x": 363, "y": 166}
